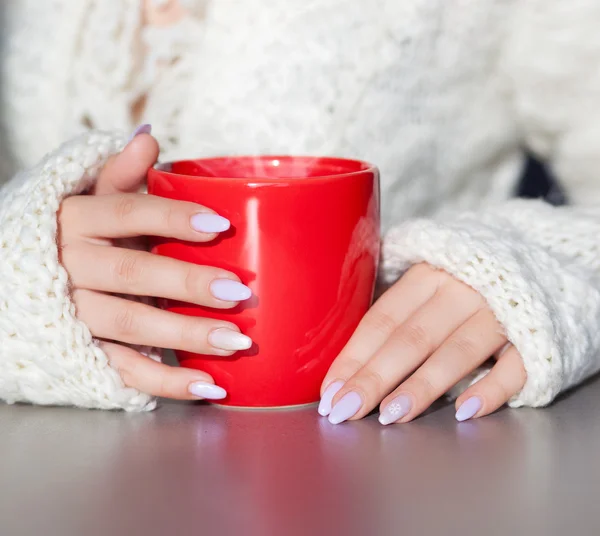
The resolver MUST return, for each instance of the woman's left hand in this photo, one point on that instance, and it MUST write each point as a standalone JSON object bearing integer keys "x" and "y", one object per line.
{"x": 422, "y": 337}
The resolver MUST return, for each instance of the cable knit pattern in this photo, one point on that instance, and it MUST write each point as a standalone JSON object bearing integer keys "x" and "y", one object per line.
{"x": 384, "y": 81}
{"x": 47, "y": 356}
{"x": 103, "y": 72}
{"x": 441, "y": 95}
{"x": 543, "y": 291}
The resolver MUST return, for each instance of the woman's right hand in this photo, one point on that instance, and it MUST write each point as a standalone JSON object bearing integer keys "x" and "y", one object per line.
{"x": 99, "y": 270}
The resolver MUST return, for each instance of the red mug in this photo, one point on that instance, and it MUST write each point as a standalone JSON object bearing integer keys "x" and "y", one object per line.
{"x": 305, "y": 238}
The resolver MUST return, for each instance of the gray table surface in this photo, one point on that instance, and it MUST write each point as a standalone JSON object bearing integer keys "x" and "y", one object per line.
{"x": 196, "y": 469}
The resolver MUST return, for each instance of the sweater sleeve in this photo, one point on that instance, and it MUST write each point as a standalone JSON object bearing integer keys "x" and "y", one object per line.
{"x": 47, "y": 356}
{"x": 537, "y": 266}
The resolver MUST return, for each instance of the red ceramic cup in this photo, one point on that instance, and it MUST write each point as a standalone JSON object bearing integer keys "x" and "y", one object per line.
{"x": 305, "y": 238}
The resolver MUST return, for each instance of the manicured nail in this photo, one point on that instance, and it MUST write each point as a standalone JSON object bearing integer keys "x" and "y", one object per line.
{"x": 142, "y": 129}
{"x": 228, "y": 290}
{"x": 330, "y": 392}
{"x": 396, "y": 409}
{"x": 227, "y": 339}
{"x": 468, "y": 408}
{"x": 207, "y": 390}
{"x": 346, "y": 408}
{"x": 206, "y": 222}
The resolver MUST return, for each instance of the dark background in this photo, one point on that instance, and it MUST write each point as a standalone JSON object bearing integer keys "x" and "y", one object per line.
{"x": 537, "y": 181}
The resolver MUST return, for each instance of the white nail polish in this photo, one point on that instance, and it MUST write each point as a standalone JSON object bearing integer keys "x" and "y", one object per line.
{"x": 326, "y": 399}
{"x": 205, "y": 222}
{"x": 207, "y": 390}
{"x": 227, "y": 339}
{"x": 229, "y": 290}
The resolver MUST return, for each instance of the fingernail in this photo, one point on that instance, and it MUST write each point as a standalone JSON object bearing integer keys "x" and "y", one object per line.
{"x": 207, "y": 390}
{"x": 396, "y": 409}
{"x": 209, "y": 223}
{"x": 330, "y": 392}
{"x": 142, "y": 129}
{"x": 227, "y": 339}
{"x": 468, "y": 408}
{"x": 346, "y": 408}
{"x": 228, "y": 290}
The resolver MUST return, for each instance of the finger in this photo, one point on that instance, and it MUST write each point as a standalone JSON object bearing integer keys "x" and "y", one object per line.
{"x": 130, "y": 215}
{"x": 158, "y": 379}
{"x": 139, "y": 273}
{"x": 126, "y": 172}
{"x": 505, "y": 380}
{"x": 412, "y": 291}
{"x": 467, "y": 348}
{"x": 406, "y": 349}
{"x": 118, "y": 319}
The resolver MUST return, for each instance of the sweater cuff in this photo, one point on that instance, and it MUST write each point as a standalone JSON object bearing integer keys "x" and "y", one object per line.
{"x": 47, "y": 356}
{"x": 546, "y": 309}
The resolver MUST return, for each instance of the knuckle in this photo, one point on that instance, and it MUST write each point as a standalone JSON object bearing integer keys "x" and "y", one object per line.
{"x": 425, "y": 272}
{"x": 68, "y": 216}
{"x": 70, "y": 257}
{"x": 422, "y": 269}
{"x": 124, "y": 206}
{"x": 464, "y": 348}
{"x": 373, "y": 382}
{"x": 192, "y": 335}
{"x": 192, "y": 280}
{"x": 169, "y": 387}
{"x": 124, "y": 322}
{"x": 169, "y": 216}
{"x": 503, "y": 391}
{"x": 506, "y": 387}
{"x": 128, "y": 373}
{"x": 164, "y": 386}
{"x": 123, "y": 361}
{"x": 414, "y": 336}
{"x": 127, "y": 270}
{"x": 424, "y": 386}
{"x": 454, "y": 290}
{"x": 125, "y": 375}
{"x": 381, "y": 322}
{"x": 78, "y": 297}
{"x": 67, "y": 207}
{"x": 345, "y": 366}
{"x": 517, "y": 366}
{"x": 493, "y": 391}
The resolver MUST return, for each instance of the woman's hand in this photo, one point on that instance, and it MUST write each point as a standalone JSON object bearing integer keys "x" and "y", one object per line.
{"x": 423, "y": 336}
{"x": 90, "y": 228}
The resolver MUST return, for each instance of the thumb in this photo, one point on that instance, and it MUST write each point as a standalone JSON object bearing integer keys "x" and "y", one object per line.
{"x": 126, "y": 172}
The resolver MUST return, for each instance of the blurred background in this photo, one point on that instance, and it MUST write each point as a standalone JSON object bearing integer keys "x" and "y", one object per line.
{"x": 537, "y": 181}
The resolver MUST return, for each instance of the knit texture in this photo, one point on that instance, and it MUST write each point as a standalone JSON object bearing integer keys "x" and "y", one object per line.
{"x": 47, "y": 356}
{"x": 537, "y": 267}
{"x": 384, "y": 81}
{"x": 442, "y": 96}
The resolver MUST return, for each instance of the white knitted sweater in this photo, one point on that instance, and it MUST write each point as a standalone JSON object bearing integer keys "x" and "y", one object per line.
{"x": 442, "y": 95}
